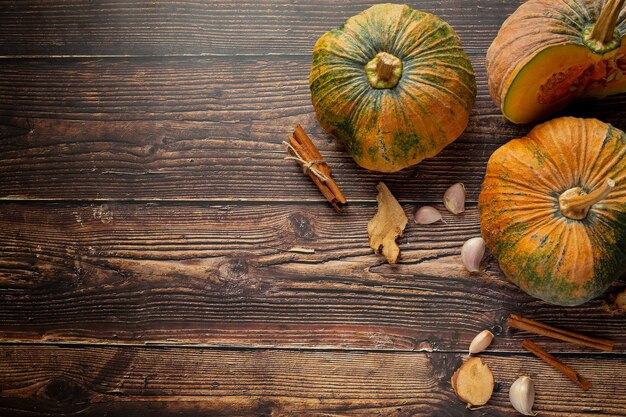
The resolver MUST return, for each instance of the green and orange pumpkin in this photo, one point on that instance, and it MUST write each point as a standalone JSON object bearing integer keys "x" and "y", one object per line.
{"x": 548, "y": 53}
{"x": 553, "y": 209}
{"x": 393, "y": 85}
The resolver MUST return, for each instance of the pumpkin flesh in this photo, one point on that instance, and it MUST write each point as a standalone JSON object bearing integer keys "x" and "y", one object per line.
{"x": 558, "y": 75}
{"x": 545, "y": 55}
{"x": 546, "y": 253}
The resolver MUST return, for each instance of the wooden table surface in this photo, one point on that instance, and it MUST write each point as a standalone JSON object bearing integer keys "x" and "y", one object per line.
{"x": 146, "y": 212}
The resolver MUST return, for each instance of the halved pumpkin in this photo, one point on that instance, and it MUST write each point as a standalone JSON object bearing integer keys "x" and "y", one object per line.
{"x": 549, "y": 53}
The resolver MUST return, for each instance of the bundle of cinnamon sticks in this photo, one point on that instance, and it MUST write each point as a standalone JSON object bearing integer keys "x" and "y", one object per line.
{"x": 302, "y": 150}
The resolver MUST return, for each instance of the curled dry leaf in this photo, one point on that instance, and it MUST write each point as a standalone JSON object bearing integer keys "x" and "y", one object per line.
{"x": 387, "y": 225}
{"x": 427, "y": 215}
{"x": 473, "y": 382}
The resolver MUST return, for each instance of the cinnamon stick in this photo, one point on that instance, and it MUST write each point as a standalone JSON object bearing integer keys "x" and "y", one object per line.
{"x": 302, "y": 149}
{"x": 305, "y": 155}
{"x": 569, "y": 372}
{"x": 522, "y": 323}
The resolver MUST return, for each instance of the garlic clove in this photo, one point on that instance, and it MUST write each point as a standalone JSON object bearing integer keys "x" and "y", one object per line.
{"x": 454, "y": 198}
{"x": 481, "y": 342}
{"x": 472, "y": 253}
{"x": 427, "y": 215}
{"x": 522, "y": 395}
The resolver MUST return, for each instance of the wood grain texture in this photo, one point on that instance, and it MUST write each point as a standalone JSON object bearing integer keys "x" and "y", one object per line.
{"x": 236, "y": 90}
{"x": 209, "y": 161}
{"x": 217, "y": 27}
{"x": 220, "y": 275}
{"x": 196, "y": 129}
{"x": 132, "y": 381}
{"x": 148, "y": 215}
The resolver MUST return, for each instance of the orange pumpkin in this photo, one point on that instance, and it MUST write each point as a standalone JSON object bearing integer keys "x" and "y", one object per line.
{"x": 553, "y": 209}
{"x": 393, "y": 85}
{"x": 549, "y": 53}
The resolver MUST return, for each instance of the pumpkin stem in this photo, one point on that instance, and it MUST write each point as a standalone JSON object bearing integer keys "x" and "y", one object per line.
{"x": 575, "y": 203}
{"x": 384, "y": 71}
{"x": 385, "y": 66}
{"x": 603, "y": 32}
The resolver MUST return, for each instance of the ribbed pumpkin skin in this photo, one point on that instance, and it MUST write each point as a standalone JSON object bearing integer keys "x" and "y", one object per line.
{"x": 390, "y": 129}
{"x": 551, "y": 257}
{"x": 534, "y": 27}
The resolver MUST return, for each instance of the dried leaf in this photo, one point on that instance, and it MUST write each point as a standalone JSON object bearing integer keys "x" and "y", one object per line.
{"x": 387, "y": 225}
{"x": 473, "y": 382}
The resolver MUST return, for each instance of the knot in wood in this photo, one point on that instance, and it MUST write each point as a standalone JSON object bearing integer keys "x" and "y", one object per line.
{"x": 234, "y": 268}
{"x": 301, "y": 226}
{"x": 65, "y": 391}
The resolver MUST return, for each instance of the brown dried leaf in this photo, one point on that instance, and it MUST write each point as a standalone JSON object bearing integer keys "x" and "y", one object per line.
{"x": 473, "y": 382}
{"x": 387, "y": 225}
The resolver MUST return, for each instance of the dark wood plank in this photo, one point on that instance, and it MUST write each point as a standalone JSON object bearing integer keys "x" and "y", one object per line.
{"x": 171, "y": 160}
{"x": 220, "y": 275}
{"x": 237, "y": 90}
{"x": 197, "y": 129}
{"x": 218, "y": 27}
{"x": 90, "y": 381}
{"x": 202, "y": 129}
